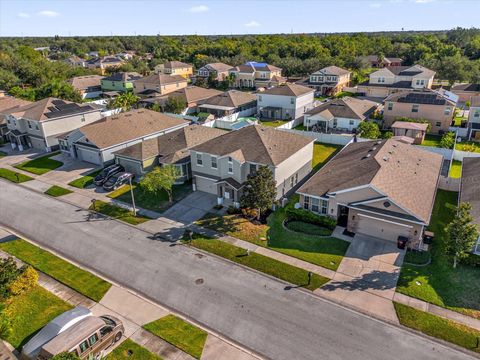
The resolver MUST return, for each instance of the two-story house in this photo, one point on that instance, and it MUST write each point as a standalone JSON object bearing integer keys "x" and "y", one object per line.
{"x": 175, "y": 68}
{"x": 474, "y": 119}
{"x": 284, "y": 102}
{"x": 344, "y": 114}
{"x": 216, "y": 71}
{"x": 389, "y": 80}
{"x": 89, "y": 86}
{"x": 329, "y": 80}
{"x": 220, "y": 166}
{"x": 253, "y": 74}
{"x": 425, "y": 104}
{"x": 7, "y": 104}
{"x": 104, "y": 63}
{"x": 229, "y": 103}
{"x": 121, "y": 81}
{"x": 40, "y": 124}
{"x": 158, "y": 84}
{"x": 376, "y": 61}
{"x": 465, "y": 91}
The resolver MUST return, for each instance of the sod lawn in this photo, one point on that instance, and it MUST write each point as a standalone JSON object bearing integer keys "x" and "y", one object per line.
{"x": 14, "y": 176}
{"x": 31, "y": 311}
{"x": 456, "y": 169}
{"x": 432, "y": 140}
{"x": 265, "y": 264}
{"x": 470, "y": 146}
{"x": 322, "y": 153}
{"x": 179, "y": 333}
{"x": 84, "y": 181}
{"x": 272, "y": 123}
{"x": 307, "y": 228}
{"x": 118, "y": 213}
{"x": 40, "y": 165}
{"x": 130, "y": 350}
{"x": 438, "y": 327}
{"x": 78, "y": 279}
{"x": 57, "y": 191}
{"x": 439, "y": 283}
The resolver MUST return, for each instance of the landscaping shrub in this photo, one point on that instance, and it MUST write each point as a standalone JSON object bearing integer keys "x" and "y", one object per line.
{"x": 232, "y": 210}
{"x": 249, "y": 213}
{"x": 5, "y": 325}
{"x": 27, "y": 279}
{"x": 8, "y": 273}
{"x": 309, "y": 217}
{"x": 472, "y": 260}
{"x": 65, "y": 356}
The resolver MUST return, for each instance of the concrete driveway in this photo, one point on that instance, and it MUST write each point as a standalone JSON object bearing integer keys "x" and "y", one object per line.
{"x": 191, "y": 208}
{"x": 367, "y": 276}
{"x": 70, "y": 170}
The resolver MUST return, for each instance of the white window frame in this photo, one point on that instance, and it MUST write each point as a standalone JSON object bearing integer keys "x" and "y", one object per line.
{"x": 199, "y": 159}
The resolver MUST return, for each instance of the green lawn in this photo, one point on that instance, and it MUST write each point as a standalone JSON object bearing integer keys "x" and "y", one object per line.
{"x": 130, "y": 350}
{"x": 343, "y": 94}
{"x": 40, "y": 165}
{"x": 2, "y": 154}
{"x": 307, "y": 228}
{"x": 456, "y": 169}
{"x": 259, "y": 262}
{"x": 469, "y": 146}
{"x": 84, "y": 181}
{"x": 272, "y": 123}
{"x": 432, "y": 140}
{"x": 179, "y": 333}
{"x": 78, "y": 279}
{"x": 148, "y": 200}
{"x": 57, "y": 191}
{"x": 118, "y": 213}
{"x": 300, "y": 127}
{"x": 14, "y": 176}
{"x": 439, "y": 283}
{"x": 438, "y": 327}
{"x": 31, "y": 311}
{"x": 322, "y": 153}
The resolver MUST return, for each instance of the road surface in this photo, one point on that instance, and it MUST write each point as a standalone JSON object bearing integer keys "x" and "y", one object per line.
{"x": 249, "y": 308}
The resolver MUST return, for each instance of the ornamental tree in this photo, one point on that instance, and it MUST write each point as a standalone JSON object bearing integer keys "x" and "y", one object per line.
{"x": 259, "y": 191}
{"x": 161, "y": 179}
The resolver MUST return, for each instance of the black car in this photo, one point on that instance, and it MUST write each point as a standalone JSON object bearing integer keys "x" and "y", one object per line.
{"x": 106, "y": 173}
{"x": 117, "y": 180}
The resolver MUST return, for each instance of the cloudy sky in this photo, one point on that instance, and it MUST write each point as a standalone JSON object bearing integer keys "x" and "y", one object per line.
{"x": 130, "y": 17}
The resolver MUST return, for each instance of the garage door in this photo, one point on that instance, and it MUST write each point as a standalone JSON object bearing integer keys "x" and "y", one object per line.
{"x": 379, "y": 228}
{"x": 88, "y": 156}
{"x": 206, "y": 185}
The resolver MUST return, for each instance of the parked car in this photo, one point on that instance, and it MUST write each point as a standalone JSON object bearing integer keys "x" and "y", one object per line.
{"x": 117, "y": 180}
{"x": 58, "y": 325}
{"x": 106, "y": 173}
{"x": 88, "y": 338}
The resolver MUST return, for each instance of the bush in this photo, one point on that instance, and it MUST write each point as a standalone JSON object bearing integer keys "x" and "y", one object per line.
{"x": 27, "y": 279}
{"x": 5, "y": 326}
{"x": 249, "y": 213}
{"x": 309, "y": 217}
{"x": 448, "y": 140}
{"x": 65, "y": 356}
{"x": 472, "y": 260}
{"x": 232, "y": 210}
{"x": 8, "y": 273}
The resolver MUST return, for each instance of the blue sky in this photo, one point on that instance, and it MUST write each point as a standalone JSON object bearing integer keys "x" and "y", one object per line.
{"x": 129, "y": 17}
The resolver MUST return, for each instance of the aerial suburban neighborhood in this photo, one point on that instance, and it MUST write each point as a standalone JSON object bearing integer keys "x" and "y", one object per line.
{"x": 239, "y": 180}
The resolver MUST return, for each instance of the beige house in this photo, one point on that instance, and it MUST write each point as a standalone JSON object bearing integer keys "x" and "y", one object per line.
{"x": 89, "y": 86}
{"x": 377, "y": 61}
{"x": 175, "y": 68}
{"x": 465, "y": 92}
{"x": 218, "y": 71}
{"x": 7, "y": 104}
{"x": 169, "y": 149}
{"x": 229, "y": 103}
{"x": 422, "y": 105}
{"x": 221, "y": 166}
{"x": 255, "y": 75}
{"x": 39, "y": 125}
{"x": 285, "y": 102}
{"x": 329, "y": 80}
{"x": 383, "y": 189}
{"x": 104, "y": 63}
{"x": 158, "y": 84}
{"x": 392, "y": 79}
{"x": 415, "y": 131}
{"x": 474, "y": 119}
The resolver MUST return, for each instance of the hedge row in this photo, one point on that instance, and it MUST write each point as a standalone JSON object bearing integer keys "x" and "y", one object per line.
{"x": 309, "y": 217}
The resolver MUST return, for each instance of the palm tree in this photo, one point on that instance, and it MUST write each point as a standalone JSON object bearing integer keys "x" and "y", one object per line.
{"x": 124, "y": 101}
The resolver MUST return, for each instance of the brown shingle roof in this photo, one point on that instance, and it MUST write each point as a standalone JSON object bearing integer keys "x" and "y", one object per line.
{"x": 288, "y": 89}
{"x": 424, "y": 96}
{"x": 409, "y": 125}
{"x": 126, "y": 126}
{"x": 171, "y": 147}
{"x": 8, "y": 104}
{"x": 346, "y": 107}
{"x": 335, "y": 70}
{"x": 124, "y": 76}
{"x": 406, "y": 174}
{"x": 85, "y": 82}
{"x": 259, "y": 144}
{"x": 176, "y": 65}
{"x": 219, "y": 67}
{"x": 469, "y": 186}
{"x": 231, "y": 98}
{"x": 192, "y": 94}
{"x": 160, "y": 79}
{"x": 466, "y": 87}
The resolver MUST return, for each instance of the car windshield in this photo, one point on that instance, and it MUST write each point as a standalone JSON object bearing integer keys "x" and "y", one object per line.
{"x": 108, "y": 321}
{"x": 112, "y": 179}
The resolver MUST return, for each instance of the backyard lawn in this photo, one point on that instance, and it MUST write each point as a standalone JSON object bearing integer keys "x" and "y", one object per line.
{"x": 322, "y": 153}
{"x": 265, "y": 264}
{"x": 130, "y": 350}
{"x": 118, "y": 213}
{"x": 57, "y": 191}
{"x": 84, "y": 181}
{"x": 179, "y": 333}
{"x": 14, "y": 176}
{"x": 40, "y": 165}
{"x": 470, "y": 146}
{"x": 439, "y": 283}
{"x": 456, "y": 169}
{"x": 432, "y": 140}
{"x": 438, "y": 327}
{"x": 30, "y": 311}
{"x": 78, "y": 279}
{"x": 272, "y": 123}
{"x": 148, "y": 200}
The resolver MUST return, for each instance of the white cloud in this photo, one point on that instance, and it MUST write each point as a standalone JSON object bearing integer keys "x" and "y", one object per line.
{"x": 423, "y": 1}
{"x": 375, "y": 5}
{"x": 48, "y": 13}
{"x": 199, "y": 9}
{"x": 252, "y": 23}
{"x": 23, "y": 15}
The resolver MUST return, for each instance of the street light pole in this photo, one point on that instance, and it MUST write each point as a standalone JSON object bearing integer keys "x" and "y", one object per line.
{"x": 133, "y": 198}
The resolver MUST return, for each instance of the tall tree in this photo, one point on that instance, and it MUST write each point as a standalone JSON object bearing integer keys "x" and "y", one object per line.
{"x": 161, "y": 179}
{"x": 369, "y": 130}
{"x": 124, "y": 101}
{"x": 461, "y": 233}
{"x": 175, "y": 105}
{"x": 259, "y": 191}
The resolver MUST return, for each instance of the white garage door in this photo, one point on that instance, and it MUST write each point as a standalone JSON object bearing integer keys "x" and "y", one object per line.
{"x": 206, "y": 185}
{"x": 379, "y": 228}
{"x": 88, "y": 156}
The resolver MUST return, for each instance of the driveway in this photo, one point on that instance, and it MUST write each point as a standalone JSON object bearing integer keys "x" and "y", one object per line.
{"x": 367, "y": 276}
{"x": 191, "y": 208}
{"x": 70, "y": 170}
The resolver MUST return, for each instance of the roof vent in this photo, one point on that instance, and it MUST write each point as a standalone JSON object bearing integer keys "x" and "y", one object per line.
{"x": 374, "y": 148}
{"x": 385, "y": 158}
{"x": 368, "y": 155}
{"x": 394, "y": 145}
{"x": 379, "y": 142}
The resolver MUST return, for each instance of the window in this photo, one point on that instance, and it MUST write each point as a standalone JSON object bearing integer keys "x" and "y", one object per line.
{"x": 351, "y": 122}
{"x": 36, "y": 126}
{"x": 93, "y": 339}
{"x": 83, "y": 118}
{"x": 291, "y": 181}
{"x": 230, "y": 168}
{"x": 447, "y": 110}
{"x": 381, "y": 79}
{"x": 315, "y": 203}
{"x": 105, "y": 330}
{"x": 390, "y": 106}
{"x": 324, "y": 209}
{"x": 214, "y": 162}
{"x": 476, "y": 114}
{"x": 259, "y": 97}
{"x": 29, "y": 124}
{"x": 199, "y": 160}
{"x": 296, "y": 178}
{"x": 320, "y": 79}
{"x": 415, "y": 108}
{"x": 306, "y": 202}
{"x": 438, "y": 123}
{"x": 420, "y": 82}
{"x": 8, "y": 121}
{"x": 292, "y": 100}
{"x": 84, "y": 346}
{"x": 253, "y": 168}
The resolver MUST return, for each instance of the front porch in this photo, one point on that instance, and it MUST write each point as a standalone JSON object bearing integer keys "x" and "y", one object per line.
{"x": 18, "y": 140}
{"x": 229, "y": 192}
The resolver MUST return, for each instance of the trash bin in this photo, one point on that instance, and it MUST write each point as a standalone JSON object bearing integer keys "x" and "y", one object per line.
{"x": 428, "y": 237}
{"x": 402, "y": 242}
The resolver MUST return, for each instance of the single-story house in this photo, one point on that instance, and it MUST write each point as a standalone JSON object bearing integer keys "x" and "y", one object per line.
{"x": 383, "y": 189}
{"x": 169, "y": 149}
{"x": 413, "y": 130}
{"x": 228, "y": 103}
{"x": 89, "y": 86}
{"x": 96, "y": 143}
{"x": 469, "y": 190}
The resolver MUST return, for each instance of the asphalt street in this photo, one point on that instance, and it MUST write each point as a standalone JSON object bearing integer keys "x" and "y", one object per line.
{"x": 249, "y": 308}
